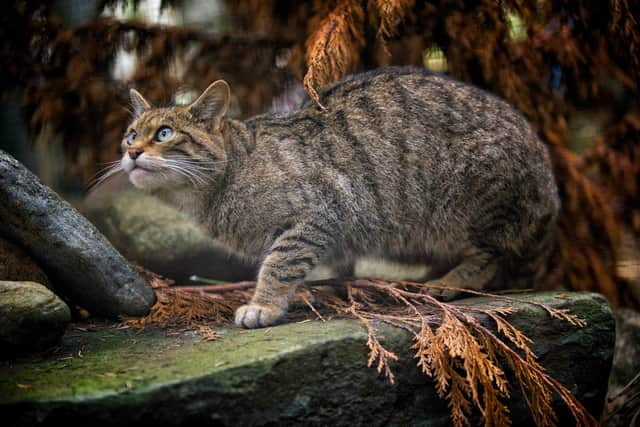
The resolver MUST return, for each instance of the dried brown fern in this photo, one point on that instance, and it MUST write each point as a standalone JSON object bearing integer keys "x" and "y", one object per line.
{"x": 463, "y": 356}
{"x": 334, "y": 47}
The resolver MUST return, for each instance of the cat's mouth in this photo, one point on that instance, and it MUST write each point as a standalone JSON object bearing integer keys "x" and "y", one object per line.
{"x": 139, "y": 171}
{"x": 145, "y": 178}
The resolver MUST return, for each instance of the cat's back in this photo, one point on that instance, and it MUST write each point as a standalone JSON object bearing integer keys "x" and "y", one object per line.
{"x": 394, "y": 105}
{"x": 402, "y": 94}
{"x": 396, "y": 119}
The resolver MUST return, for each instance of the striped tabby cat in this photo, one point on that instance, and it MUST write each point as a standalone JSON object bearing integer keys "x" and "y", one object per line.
{"x": 402, "y": 164}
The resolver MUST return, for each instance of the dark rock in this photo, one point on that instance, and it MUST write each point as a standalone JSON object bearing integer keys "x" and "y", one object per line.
{"x": 311, "y": 373}
{"x": 31, "y": 317}
{"x": 80, "y": 262}
{"x": 623, "y": 406}
{"x": 626, "y": 362}
{"x": 157, "y": 236}
{"x": 17, "y": 265}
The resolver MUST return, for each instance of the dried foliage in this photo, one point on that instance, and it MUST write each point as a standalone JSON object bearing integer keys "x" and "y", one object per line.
{"x": 623, "y": 407}
{"x": 179, "y": 310}
{"x": 334, "y": 47}
{"x": 615, "y": 162}
{"x": 390, "y": 14}
{"x": 549, "y": 59}
{"x": 452, "y": 343}
{"x": 464, "y": 357}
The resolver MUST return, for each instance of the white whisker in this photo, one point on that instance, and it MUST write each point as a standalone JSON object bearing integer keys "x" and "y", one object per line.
{"x": 189, "y": 159}
{"x": 194, "y": 176}
{"x": 105, "y": 174}
{"x": 192, "y": 168}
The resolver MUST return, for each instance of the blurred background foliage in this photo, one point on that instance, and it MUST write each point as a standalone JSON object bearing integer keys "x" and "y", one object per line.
{"x": 571, "y": 66}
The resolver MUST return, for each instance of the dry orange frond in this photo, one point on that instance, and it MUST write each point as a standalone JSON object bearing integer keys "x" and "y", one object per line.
{"x": 334, "y": 47}
{"x": 464, "y": 357}
{"x": 391, "y": 13}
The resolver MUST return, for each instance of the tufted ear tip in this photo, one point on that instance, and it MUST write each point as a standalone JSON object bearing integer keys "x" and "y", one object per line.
{"x": 212, "y": 105}
{"x": 139, "y": 104}
{"x": 220, "y": 85}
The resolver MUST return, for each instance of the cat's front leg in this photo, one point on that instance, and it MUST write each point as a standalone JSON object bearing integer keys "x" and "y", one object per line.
{"x": 290, "y": 259}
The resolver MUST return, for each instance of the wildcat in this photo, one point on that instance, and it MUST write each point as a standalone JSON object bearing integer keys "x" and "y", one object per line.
{"x": 402, "y": 164}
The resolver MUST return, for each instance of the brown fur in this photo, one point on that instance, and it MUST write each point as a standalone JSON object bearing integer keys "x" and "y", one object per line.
{"x": 402, "y": 164}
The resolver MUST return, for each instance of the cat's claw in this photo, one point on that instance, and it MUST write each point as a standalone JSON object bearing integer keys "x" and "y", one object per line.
{"x": 258, "y": 316}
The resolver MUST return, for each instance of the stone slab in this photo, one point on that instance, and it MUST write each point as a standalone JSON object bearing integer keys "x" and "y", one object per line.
{"x": 310, "y": 373}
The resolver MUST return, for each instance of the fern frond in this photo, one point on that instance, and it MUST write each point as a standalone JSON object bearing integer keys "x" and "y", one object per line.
{"x": 391, "y": 13}
{"x": 334, "y": 47}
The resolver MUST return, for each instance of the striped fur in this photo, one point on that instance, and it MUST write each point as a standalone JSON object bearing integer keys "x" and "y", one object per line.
{"x": 402, "y": 164}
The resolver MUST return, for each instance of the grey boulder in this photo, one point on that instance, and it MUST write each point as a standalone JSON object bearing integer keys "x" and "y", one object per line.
{"x": 31, "y": 317}
{"x": 78, "y": 260}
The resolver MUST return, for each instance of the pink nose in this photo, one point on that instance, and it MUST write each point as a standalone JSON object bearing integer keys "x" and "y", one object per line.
{"x": 134, "y": 152}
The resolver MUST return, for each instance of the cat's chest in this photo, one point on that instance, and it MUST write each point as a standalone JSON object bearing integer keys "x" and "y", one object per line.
{"x": 190, "y": 204}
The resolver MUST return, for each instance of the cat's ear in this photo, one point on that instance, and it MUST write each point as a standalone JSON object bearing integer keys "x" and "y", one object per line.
{"x": 139, "y": 104}
{"x": 212, "y": 105}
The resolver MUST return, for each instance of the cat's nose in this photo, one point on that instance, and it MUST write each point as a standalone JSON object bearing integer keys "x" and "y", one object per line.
{"x": 134, "y": 152}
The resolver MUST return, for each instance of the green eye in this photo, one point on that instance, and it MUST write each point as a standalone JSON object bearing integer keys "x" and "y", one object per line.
{"x": 132, "y": 137}
{"x": 164, "y": 134}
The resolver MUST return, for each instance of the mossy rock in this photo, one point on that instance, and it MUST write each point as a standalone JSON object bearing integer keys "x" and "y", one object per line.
{"x": 310, "y": 373}
{"x": 31, "y": 317}
{"x": 626, "y": 363}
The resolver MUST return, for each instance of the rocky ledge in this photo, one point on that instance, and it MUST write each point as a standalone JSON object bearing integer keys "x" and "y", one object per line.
{"x": 310, "y": 373}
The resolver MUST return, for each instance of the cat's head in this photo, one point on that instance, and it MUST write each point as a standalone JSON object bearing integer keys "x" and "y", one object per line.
{"x": 174, "y": 147}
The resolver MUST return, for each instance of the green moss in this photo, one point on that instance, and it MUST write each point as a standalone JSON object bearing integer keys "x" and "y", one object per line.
{"x": 111, "y": 361}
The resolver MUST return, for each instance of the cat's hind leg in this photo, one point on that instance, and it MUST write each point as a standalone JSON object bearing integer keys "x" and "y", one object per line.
{"x": 289, "y": 260}
{"x": 476, "y": 269}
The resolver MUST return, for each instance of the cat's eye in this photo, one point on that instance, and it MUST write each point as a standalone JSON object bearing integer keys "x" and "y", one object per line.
{"x": 132, "y": 137}
{"x": 164, "y": 133}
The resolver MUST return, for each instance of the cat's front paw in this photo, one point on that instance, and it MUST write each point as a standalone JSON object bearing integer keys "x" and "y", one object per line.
{"x": 258, "y": 316}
